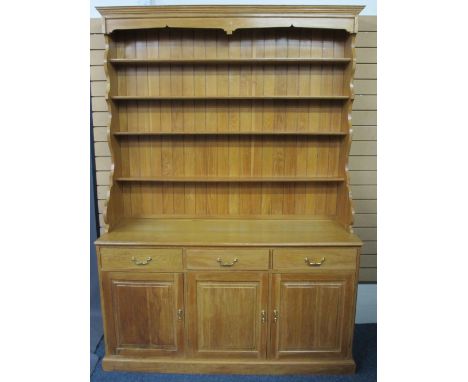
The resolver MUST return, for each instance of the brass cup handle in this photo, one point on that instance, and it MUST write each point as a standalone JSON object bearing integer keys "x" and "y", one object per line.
{"x": 220, "y": 261}
{"x": 314, "y": 263}
{"x": 141, "y": 262}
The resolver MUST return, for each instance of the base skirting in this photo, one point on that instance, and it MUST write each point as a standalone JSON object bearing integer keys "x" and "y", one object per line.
{"x": 198, "y": 366}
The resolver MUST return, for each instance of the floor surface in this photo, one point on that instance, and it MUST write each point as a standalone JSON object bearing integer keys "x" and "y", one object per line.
{"x": 365, "y": 355}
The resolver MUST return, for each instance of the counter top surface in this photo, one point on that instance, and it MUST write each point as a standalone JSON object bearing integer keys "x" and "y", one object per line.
{"x": 229, "y": 232}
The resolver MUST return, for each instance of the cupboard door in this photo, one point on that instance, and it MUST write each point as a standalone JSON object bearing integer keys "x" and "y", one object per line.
{"x": 312, "y": 315}
{"x": 143, "y": 313}
{"x": 227, "y": 314}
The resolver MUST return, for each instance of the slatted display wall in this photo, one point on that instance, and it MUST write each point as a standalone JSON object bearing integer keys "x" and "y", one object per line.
{"x": 363, "y": 150}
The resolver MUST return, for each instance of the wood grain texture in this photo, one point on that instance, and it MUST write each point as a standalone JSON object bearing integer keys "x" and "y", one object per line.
{"x": 142, "y": 308}
{"x": 228, "y": 210}
{"x": 209, "y": 158}
{"x": 345, "y": 214}
{"x": 141, "y": 259}
{"x": 365, "y": 87}
{"x": 333, "y": 259}
{"x": 314, "y": 315}
{"x": 229, "y": 232}
{"x": 183, "y": 98}
{"x": 230, "y": 18}
{"x": 213, "y": 366}
{"x": 224, "y": 314}
{"x": 228, "y": 259}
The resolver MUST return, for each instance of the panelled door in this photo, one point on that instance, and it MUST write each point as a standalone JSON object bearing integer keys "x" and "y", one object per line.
{"x": 227, "y": 314}
{"x": 144, "y": 313}
{"x": 312, "y": 315}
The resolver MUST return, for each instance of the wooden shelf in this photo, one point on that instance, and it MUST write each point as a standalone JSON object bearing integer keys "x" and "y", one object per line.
{"x": 228, "y": 98}
{"x": 243, "y": 133}
{"x": 236, "y": 232}
{"x": 229, "y": 61}
{"x": 205, "y": 179}
{"x": 247, "y": 138}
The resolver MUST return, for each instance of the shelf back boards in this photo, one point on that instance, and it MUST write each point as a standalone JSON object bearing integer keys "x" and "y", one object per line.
{"x": 207, "y": 124}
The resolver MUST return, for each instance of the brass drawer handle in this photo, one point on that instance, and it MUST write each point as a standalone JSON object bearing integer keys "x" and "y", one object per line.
{"x": 220, "y": 261}
{"x": 313, "y": 263}
{"x": 141, "y": 262}
{"x": 263, "y": 316}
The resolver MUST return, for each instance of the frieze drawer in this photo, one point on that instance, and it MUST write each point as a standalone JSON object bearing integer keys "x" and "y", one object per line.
{"x": 315, "y": 258}
{"x": 147, "y": 259}
{"x": 228, "y": 259}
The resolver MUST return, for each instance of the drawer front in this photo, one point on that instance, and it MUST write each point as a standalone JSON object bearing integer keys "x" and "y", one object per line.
{"x": 228, "y": 259}
{"x": 315, "y": 258}
{"x": 147, "y": 259}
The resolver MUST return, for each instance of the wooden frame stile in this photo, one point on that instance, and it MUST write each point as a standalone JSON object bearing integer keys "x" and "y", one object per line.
{"x": 356, "y": 284}
{"x": 346, "y": 214}
{"x": 113, "y": 205}
{"x": 229, "y": 214}
{"x": 101, "y": 295}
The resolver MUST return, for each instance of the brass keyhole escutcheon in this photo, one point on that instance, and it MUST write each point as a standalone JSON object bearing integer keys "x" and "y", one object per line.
{"x": 275, "y": 315}
{"x": 180, "y": 314}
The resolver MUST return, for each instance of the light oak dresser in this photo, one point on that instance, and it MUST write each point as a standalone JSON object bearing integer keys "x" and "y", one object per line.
{"x": 229, "y": 244}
